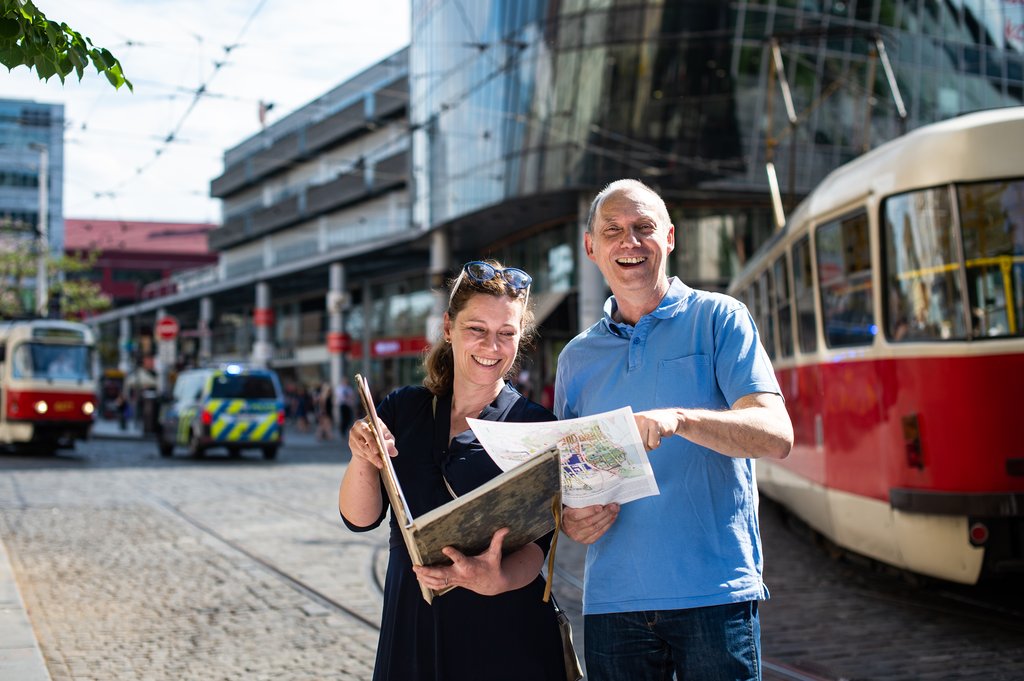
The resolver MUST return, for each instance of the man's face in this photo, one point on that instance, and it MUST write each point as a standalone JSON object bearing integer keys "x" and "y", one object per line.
{"x": 630, "y": 242}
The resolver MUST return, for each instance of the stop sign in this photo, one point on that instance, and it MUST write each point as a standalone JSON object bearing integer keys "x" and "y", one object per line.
{"x": 167, "y": 328}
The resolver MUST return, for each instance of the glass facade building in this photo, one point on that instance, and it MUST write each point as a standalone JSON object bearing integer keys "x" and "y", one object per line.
{"x": 26, "y": 127}
{"x": 544, "y": 98}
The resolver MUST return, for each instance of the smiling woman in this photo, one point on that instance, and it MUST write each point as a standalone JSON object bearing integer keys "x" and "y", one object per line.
{"x": 493, "y": 617}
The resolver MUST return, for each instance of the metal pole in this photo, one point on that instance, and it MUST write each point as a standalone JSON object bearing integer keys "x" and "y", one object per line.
{"x": 124, "y": 357}
{"x": 161, "y": 359}
{"x": 894, "y": 86}
{"x": 261, "y": 349}
{"x": 870, "y": 87}
{"x": 42, "y": 290}
{"x": 787, "y": 98}
{"x": 336, "y": 288}
{"x": 440, "y": 264}
{"x": 589, "y": 282}
{"x": 205, "y": 319}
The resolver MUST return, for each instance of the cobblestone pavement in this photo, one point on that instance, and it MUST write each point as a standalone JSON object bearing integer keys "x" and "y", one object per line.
{"x": 137, "y": 567}
{"x": 121, "y": 583}
{"x": 849, "y": 619}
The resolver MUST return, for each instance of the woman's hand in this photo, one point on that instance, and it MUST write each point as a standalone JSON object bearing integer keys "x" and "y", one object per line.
{"x": 482, "y": 573}
{"x": 362, "y": 445}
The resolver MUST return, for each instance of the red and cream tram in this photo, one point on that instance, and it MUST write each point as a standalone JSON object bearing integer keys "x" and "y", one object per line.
{"x": 892, "y": 305}
{"x": 48, "y": 388}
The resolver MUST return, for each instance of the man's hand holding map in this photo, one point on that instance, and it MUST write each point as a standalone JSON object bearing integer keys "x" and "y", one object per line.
{"x": 603, "y": 457}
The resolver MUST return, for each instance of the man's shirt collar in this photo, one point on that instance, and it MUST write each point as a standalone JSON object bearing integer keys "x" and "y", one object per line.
{"x": 670, "y": 304}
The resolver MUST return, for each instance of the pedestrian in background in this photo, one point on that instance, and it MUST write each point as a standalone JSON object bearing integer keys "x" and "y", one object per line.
{"x": 324, "y": 412}
{"x": 494, "y": 623}
{"x": 346, "y": 397}
{"x": 672, "y": 581}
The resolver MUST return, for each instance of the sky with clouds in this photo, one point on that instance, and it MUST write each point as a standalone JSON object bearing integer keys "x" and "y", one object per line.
{"x": 118, "y": 163}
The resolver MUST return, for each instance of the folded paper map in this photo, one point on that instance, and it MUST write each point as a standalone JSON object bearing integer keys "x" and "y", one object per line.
{"x": 603, "y": 457}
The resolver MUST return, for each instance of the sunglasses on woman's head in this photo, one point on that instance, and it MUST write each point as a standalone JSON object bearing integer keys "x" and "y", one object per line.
{"x": 481, "y": 272}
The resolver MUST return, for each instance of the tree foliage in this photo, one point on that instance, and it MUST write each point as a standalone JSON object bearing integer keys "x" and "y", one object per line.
{"x": 78, "y": 297}
{"x": 28, "y": 38}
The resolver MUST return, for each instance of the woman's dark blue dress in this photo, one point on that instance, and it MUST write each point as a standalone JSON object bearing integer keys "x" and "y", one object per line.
{"x": 463, "y": 636}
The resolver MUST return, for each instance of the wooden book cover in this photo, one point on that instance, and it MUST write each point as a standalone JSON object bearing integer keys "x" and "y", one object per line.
{"x": 520, "y": 499}
{"x": 523, "y": 499}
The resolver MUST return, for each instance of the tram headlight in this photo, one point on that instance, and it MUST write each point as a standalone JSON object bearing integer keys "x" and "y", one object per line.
{"x": 41, "y": 407}
{"x": 88, "y": 408}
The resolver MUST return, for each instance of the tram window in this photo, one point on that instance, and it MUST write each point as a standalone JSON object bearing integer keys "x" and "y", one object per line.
{"x": 43, "y": 360}
{"x": 765, "y": 319}
{"x": 803, "y": 290}
{"x": 782, "y": 306}
{"x": 844, "y": 278}
{"x": 756, "y": 300}
{"x": 992, "y": 223}
{"x": 922, "y": 274}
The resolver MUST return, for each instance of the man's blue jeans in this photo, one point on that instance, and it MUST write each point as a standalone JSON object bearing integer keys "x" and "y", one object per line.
{"x": 720, "y": 642}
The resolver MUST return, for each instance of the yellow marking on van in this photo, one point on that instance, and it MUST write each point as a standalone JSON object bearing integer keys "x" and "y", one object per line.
{"x": 238, "y": 431}
{"x": 261, "y": 432}
{"x": 218, "y": 426}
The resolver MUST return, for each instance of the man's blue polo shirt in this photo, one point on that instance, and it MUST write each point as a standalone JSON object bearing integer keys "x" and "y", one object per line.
{"x": 697, "y": 543}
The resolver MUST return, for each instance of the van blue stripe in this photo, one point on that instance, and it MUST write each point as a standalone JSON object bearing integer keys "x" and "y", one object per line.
{"x": 245, "y": 434}
{"x": 220, "y": 410}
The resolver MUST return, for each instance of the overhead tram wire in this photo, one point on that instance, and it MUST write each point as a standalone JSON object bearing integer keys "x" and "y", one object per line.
{"x": 202, "y": 90}
{"x": 198, "y": 94}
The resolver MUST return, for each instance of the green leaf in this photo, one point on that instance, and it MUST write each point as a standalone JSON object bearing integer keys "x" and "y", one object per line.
{"x": 105, "y": 58}
{"x": 10, "y": 58}
{"x": 54, "y": 34}
{"x": 9, "y": 29}
{"x": 78, "y": 57}
{"x": 50, "y": 48}
{"x": 45, "y": 68}
{"x": 64, "y": 66}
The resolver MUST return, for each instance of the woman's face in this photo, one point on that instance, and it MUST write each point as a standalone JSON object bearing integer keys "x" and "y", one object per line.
{"x": 485, "y": 338}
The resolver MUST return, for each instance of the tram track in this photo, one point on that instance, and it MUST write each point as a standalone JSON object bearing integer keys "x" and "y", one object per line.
{"x": 878, "y": 587}
{"x": 560, "y": 572}
{"x": 884, "y": 584}
{"x": 952, "y": 604}
{"x": 774, "y": 670}
{"x": 284, "y": 576}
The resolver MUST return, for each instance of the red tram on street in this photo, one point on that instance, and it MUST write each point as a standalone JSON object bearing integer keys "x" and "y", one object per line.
{"x": 892, "y": 305}
{"x": 47, "y": 383}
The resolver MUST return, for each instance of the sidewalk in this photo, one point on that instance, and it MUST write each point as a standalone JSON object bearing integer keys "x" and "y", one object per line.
{"x": 111, "y": 429}
{"x": 20, "y": 657}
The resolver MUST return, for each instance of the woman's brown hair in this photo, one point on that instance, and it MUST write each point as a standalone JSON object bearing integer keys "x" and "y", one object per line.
{"x": 439, "y": 362}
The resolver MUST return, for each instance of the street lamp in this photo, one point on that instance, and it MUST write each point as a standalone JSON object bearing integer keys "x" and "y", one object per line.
{"x": 41, "y": 228}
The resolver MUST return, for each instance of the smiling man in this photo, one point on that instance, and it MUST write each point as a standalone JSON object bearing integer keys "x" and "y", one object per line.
{"x": 672, "y": 581}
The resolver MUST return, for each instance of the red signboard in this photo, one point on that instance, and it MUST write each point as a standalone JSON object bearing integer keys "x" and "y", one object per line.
{"x": 338, "y": 342}
{"x": 167, "y": 328}
{"x": 391, "y": 347}
{"x": 263, "y": 316}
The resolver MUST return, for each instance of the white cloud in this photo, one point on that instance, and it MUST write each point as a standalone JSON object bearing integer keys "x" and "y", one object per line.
{"x": 290, "y": 53}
